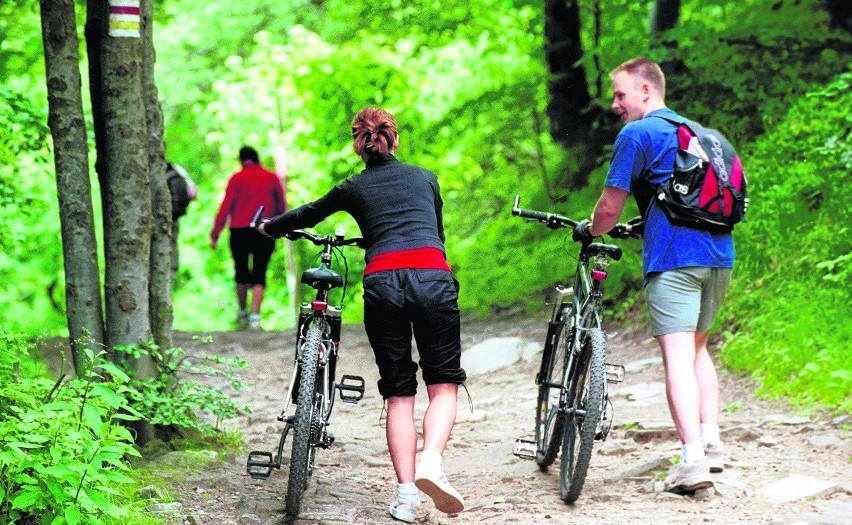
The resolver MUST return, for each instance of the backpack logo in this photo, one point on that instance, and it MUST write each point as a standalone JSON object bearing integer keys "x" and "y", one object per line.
{"x": 708, "y": 188}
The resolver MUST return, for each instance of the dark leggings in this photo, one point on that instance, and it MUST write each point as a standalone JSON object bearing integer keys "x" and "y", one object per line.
{"x": 247, "y": 242}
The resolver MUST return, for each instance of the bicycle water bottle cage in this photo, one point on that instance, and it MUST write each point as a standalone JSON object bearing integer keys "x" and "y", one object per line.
{"x": 609, "y": 250}
{"x": 322, "y": 278}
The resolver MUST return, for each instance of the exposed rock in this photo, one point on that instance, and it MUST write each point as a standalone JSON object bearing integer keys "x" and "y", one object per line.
{"x": 797, "y": 487}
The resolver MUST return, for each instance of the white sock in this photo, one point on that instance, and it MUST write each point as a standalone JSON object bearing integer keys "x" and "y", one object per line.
{"x": 692, "y": 452}
{"x": 710, "y": 434}
{"x": 408, "y": 493}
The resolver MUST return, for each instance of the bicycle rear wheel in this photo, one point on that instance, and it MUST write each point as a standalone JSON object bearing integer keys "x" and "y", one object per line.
{"x": 549, "y": 421}
{"x": 585, "y": 403}
{"x": 301, "y": 457}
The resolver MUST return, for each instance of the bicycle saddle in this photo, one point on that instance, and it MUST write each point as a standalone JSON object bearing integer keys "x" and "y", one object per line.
{"x": 611, "y": 251}
{"x": 322, "y": 278}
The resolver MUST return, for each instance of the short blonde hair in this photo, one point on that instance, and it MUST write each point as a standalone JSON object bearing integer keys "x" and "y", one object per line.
{"x": 645, "y": 69}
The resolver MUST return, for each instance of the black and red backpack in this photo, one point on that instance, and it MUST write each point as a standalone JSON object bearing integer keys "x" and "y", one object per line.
{"x": 707, "y": 189}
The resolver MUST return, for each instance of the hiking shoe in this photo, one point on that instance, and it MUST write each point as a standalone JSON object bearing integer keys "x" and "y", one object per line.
{"x": 254, "y": 322}
{"x": 715, "y": 454}
{"x": 242, "y": 320}
{"x": 404, "y": 510}
{"x": 430, "y": 478}
{"x": 688, "y": 477}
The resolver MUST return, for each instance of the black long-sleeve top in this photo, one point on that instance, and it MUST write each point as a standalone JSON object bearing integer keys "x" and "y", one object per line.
{"x": 396, "y": 205}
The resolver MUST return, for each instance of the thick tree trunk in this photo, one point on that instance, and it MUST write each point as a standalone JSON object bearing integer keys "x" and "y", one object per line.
{"x": 121, "y": 136}
{"x": 571, "y": 109}
{"x": 569, "y": 91}
{"x": 839, "y": 14}
{"x": 161, "y": 204}
{"x": 663, "y": 16}
{"x": 71, "y": 158}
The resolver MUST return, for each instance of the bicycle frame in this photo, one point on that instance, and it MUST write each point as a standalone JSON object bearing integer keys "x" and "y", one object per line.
{"x": 326, "y": 319}
{"x": 585, "y": 296}
{"x": 573, "y": 398}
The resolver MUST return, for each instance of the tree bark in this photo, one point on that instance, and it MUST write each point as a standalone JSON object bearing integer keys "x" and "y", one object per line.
{"x": 572, "y": 112}
{"x": 160, "y": 288}
{"x": 663, "y": 16}
{"x": 839, "y": 14}
{"x": 83, "y": 307}
{"x": 569, "y": 91}
{"x": 122, "y": 164}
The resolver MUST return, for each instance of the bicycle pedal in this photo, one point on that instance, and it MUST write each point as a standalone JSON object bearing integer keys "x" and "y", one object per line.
{"x": 351, "y": 388}
{"x": 260, "y": 464}
{"x": 327, "y": 441}
{"x": 524, "y": 448}
{"x": 614, "y": 373}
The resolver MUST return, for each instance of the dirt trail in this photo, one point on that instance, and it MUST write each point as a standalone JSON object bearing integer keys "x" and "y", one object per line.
{"x": 353, "y": 481}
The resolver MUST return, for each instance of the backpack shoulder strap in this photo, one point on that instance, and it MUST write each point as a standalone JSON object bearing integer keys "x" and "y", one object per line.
{"x": 677, "y": 120}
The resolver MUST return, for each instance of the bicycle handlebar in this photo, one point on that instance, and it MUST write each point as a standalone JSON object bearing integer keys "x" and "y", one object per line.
{"x": 324, "y": 240}
{"x": 320, "y": 240}
{"x": 552, "y": 220}
{"x": 632, "y": 229}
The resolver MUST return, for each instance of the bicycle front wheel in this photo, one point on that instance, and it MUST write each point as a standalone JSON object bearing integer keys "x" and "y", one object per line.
{"x": 301, "y": 457}
{"x": 549, "y": 421}
{"x": 585, "y": 405}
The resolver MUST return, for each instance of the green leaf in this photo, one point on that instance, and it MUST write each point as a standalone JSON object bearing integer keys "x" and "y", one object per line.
{"x": 72, "y": 515}
{"x": 26, "y": 499}
{"x": 92, "y": 417}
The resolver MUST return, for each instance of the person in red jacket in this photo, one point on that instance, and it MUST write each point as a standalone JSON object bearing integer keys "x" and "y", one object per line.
{"x": 247, "y": 190}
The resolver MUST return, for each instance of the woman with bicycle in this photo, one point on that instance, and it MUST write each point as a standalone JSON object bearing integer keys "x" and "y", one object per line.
{"x": 408, "y": 289}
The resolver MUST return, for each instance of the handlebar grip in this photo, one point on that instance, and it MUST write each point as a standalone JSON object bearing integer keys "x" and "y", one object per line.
{"x": 256, "y": 218}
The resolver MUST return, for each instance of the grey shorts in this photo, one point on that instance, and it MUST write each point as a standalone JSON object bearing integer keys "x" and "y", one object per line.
{"x": 685, "y": 299}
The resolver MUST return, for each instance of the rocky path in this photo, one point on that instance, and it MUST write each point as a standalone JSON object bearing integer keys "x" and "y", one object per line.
{"x": 783, "y": 468}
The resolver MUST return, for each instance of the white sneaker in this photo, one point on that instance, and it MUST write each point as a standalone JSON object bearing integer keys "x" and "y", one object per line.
{"x": 688, "y": 477}
{"x": 254, "y": 322}
{"x": 404, "y": 510}
{"x": 430, "y": 478}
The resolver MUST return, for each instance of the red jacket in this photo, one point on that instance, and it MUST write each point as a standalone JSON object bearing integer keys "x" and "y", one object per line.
{"x": 248, "y": 189}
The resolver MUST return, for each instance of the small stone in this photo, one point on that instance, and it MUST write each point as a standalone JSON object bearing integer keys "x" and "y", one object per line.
{"x": 767, "y": 441}
{"x": 165, "y": 508}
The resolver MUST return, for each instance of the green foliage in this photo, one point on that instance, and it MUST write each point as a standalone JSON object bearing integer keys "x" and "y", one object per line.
{"x": 29, "y": 229}
{"x": 173, "y": 399}
{"x": 790, "y": 327}
{"x": 63, "y": 447}
{"x": 467, "y": 82}
{"x": 64, "y": 452}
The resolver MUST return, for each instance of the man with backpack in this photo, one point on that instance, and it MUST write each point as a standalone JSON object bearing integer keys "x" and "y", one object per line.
{"x": 687, "y": 269}
{"x": 183, "y": 192}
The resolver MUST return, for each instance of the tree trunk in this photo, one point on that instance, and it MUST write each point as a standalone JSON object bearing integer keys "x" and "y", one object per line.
{"x": 571, "y": 109}
{"x": 663, "y": 16}
{"x": 839, "y": 14}
{"x": 121, "y": 140}
{"x": 71, "y": 158}
{"x": 161, "y": 242}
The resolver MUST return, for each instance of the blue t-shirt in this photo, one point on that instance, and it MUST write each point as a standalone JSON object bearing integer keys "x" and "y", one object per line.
{"x": 643, "y": 157}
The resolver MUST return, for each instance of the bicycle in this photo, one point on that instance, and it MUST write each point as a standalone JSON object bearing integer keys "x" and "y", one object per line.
{"x": 312, "y": 385}
{"x": 573, "y": 396}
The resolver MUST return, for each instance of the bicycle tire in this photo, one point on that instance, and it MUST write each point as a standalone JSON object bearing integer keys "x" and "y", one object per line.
{"x": 303, "y": 445}
{"x": 549, "y": 420}
{"x": 585, "y": 397}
